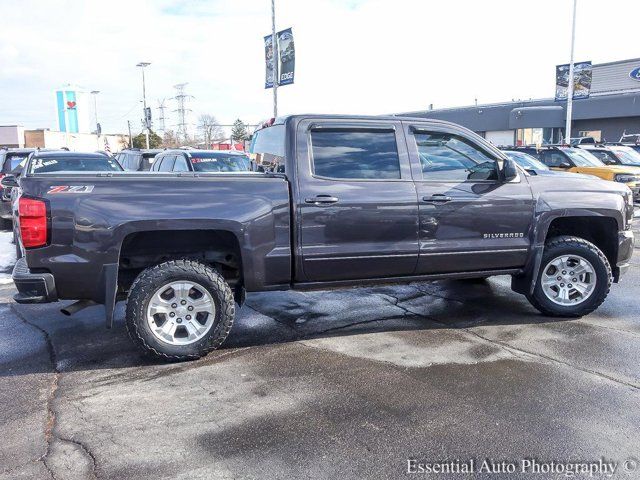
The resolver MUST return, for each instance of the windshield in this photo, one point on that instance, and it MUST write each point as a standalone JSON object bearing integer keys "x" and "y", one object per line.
{"x": 582, "y": 158}
{"x": 526, "y": 161}
{"x": 626, "y": 155}
{"x": 220, "y": 162}
{"x": 74, "y": 163}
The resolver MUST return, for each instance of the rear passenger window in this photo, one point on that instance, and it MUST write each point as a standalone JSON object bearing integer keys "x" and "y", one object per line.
{"x": 355, "y": 153}
{"x": 167, "y": 163}
{"x": 181, "y": 164}
{"x": 452, "y": 158}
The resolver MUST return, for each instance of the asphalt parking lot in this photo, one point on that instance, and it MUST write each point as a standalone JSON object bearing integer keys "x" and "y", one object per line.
{"x": 331, "y": 384}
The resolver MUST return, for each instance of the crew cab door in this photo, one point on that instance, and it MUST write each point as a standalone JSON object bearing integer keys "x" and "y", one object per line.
{"x": 356, "y": 202}
{"x": 470, "y": 219}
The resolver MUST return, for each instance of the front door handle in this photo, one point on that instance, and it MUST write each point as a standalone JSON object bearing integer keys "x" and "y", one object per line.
{"x": 322, "y": 199}
{"x": 438, "y": 197}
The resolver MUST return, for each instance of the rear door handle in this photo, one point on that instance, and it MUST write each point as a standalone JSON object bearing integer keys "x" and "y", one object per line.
{"x": 438, "y": 197}
{"x": 322, "y": 199}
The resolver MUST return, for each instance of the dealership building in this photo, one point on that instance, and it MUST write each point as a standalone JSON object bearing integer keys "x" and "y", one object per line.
{"x": 611, "y": 110}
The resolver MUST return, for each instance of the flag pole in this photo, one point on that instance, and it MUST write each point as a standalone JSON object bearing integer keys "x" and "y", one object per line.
{"x": 567, "y": 130}
{"x": 274, "y": 58}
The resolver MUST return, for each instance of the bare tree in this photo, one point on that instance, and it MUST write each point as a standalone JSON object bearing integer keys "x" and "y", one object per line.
{"x": 211, "y": 129}
{"x": 170, "y": 139}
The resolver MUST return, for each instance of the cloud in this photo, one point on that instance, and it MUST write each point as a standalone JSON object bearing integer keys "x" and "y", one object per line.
{"x": 356, "y": 56}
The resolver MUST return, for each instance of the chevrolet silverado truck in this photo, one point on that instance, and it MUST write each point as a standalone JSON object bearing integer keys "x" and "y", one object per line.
{"x": 362, "y": 200}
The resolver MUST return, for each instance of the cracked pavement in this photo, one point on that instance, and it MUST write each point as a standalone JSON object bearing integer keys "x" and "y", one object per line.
{"x": 328, "y": 384}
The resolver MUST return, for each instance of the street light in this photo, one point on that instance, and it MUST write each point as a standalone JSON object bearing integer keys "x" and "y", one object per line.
{"x": 567, "y": 129}
{"x": 95, "y": 108}
{"x": 144, "y": 100}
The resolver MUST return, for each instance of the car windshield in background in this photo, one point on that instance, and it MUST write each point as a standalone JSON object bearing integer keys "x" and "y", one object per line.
{"x": 100, "y": 163}
{"x": 582, "y": 158}
{"x": 220, "y": 162}
{"x": 526, "y": 161}
{"x": 627, "y": 155}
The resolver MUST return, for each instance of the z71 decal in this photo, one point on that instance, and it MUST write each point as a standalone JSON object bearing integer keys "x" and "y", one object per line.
{"x": 71, "y": 189}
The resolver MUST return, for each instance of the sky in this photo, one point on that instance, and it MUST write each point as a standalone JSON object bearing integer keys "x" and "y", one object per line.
{"x": 352, "y": 56}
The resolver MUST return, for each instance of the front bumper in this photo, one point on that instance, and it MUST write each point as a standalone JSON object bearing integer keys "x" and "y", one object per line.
{"x": 625, "y": 250}
{"x": 33, "y": 287}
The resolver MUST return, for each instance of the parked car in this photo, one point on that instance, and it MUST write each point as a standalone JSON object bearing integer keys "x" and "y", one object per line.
{"x": 68, "y": 162}
{"x": 10, "y": 160}
{"x": 137, "y": 160}
{"x": 364, "y": 200}
{"x": 576, "y": 141}
{"x": 192, "y": 160}
{"x": 579, "y": 160}
{"x": 630, "y": 138}
{"x": 615, "y": 154}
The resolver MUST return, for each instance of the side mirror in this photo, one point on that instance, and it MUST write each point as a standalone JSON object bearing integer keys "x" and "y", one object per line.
{"x": 9, "y": 181}
{"x": 565, "y": 165}
{"x": 509, "y": 170}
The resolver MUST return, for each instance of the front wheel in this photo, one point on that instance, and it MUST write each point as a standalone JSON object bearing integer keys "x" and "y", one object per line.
{"x": 574, "y": 278}
{"x": 179, "y": 310}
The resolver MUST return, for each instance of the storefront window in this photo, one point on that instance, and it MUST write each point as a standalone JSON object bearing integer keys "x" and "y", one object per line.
{"x": 537, "y": 136}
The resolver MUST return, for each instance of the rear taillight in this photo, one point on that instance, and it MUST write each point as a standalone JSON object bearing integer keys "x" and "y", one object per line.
{"x": 33, "y": 222}
{"x": 1, "y": 177}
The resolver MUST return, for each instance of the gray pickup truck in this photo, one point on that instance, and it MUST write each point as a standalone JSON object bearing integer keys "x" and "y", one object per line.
{"x": 362, "y": 200}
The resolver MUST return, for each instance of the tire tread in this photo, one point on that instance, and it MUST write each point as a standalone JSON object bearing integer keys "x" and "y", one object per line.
{"x": 578, "y": 243}
{"x": 146, "y": 283}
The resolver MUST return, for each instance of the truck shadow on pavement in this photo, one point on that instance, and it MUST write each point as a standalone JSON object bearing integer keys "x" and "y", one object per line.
{"x": 82, "y": 342}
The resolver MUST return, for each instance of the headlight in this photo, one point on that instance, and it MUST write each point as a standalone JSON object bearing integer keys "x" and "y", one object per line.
{"x": 627, "y": 178}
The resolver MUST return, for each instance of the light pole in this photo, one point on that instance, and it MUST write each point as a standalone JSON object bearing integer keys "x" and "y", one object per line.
{"x": 567, "y": 129}
{"x": 144, "y": 101}
{"x": 95, "y": 108}
{"x": 274, "y": 46}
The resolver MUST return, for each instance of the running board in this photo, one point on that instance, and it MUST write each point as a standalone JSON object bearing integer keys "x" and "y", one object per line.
{"x": 407, "y": 279}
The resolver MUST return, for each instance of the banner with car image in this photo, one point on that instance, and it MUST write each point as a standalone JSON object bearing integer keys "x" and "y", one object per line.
{"x": 286, "y": 58}
{"x": 582, "y": 74}
{"x": 287, "y": 52}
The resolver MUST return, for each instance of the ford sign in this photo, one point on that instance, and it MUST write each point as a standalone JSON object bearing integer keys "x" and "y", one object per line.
{"x": 635, "y": 74}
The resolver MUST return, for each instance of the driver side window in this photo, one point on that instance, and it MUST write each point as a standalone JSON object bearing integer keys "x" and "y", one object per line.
{"x": 448, "y": 157}
{"x": 554, "y": 159}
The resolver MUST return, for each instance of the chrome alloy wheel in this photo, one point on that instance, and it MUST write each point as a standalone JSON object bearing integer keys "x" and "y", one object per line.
{"x": 181, "y": 313}
{"x": 568, "y": 280}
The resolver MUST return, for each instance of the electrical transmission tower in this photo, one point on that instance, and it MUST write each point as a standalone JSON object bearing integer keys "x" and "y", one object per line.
{"x": 161, "y": 118}
{"x": 181, "y": 99}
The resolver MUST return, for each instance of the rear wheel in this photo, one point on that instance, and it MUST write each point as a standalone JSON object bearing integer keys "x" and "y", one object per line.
{"x": 180, "y": 310}
{"x": 574, "y": 278}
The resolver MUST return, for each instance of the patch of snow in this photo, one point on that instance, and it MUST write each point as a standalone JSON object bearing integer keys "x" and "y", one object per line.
{"x": 7, "y": 252}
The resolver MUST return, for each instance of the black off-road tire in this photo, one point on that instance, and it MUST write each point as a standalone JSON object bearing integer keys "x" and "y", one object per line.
{"x": 566, "y": 245}
{"x": 152, "y": 279}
